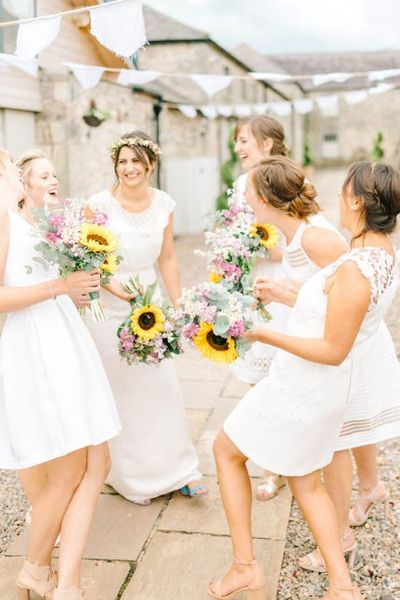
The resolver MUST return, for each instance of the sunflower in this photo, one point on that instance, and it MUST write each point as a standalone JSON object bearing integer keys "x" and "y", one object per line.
{"x": 147, "y": 322}
{"x": 267, "y": 233}
{"x": 215, "y": 347}
{"x": 98, "y": 238}
{"x": 214, "y": 277}
{"x": 110, "y": 265}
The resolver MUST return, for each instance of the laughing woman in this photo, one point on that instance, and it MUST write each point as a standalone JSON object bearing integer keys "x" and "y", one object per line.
{"x": 56, "y": 407}
{"x": 154, "y": 454}
{"x": 290, "y": 422}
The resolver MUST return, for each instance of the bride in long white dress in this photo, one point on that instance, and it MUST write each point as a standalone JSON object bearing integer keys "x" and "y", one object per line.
{"x": 154, "y": 454}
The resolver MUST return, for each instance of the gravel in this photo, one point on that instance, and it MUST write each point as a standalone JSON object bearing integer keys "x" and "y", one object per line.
{"x": 13, "y": 507}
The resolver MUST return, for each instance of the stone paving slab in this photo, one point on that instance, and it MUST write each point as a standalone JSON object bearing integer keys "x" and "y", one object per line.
{"x": 200, "y": 394}
{"x": 119, "y": 530}
{"x": 235, "y": 388}
{"x": 206, "y": 515}
{"x": 178, "y": 566}
{"x": 196, "y": 418}
{"x": 102, "y": 580}
{"x": 191, "y": 366}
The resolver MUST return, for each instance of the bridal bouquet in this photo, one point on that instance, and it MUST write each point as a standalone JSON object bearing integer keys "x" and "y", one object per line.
{"x": 214, "y": 320}
{"x": 234, "y": 251}
{"x": 75, "y": 243}
{"x": 150, "y": 332}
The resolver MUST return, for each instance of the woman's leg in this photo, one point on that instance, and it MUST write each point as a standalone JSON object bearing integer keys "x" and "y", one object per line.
{"x": 320, "y": 514}
{"x": 63, "y": 476}
{"x": 338, "y": 478}
{"x": 34, "y": 480}
{"x": 236, "y": 494}
{"x": 78, "y": 516}
{"x": 371, "y": 489}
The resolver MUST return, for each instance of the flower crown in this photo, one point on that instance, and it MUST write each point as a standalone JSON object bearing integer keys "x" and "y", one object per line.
{"x": 131, "y": 143}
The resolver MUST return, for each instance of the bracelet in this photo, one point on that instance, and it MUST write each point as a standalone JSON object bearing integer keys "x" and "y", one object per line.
{"x": 51, "y": 290}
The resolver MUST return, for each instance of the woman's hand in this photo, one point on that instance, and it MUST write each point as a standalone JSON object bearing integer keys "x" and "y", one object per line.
{"x": 116, "y": 288}
{"x": 251, "y": 336}
{"x": 266, "y": 290}
{"x": 78, "y": 285}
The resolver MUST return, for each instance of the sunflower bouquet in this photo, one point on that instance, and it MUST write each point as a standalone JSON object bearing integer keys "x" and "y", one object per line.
{"x": 75, "y": 243}
{"x": 214, "y": 320}
{"x": 150, "y": 332}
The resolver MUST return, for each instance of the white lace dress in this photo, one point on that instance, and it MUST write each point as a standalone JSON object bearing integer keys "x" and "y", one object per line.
{"x": 291, "y": 421}
{"x": 153, "y": 455}
{"x": 54, "y": 393}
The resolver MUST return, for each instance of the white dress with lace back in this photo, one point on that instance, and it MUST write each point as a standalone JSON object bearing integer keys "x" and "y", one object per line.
{"x": 54, "y": 394}
{"x": 291, "y": 421}
{"x": 154, "y": 454}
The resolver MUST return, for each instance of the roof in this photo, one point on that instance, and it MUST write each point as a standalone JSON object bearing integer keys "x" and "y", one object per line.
{"x": 255, "y": 60}
{"x": 161, "y": 28}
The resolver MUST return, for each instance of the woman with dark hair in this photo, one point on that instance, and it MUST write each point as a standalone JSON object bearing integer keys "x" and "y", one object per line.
{"x": 154, "y": 454}
{"x": 291, "y": 421}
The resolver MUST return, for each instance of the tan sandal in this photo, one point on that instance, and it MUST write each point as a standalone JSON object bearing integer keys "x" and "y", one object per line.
{"x": 314, "y": 561}
{"x": 358, "y": 515}
{"x": 254, "y": 590}
{"x": 269, "y": 487}
{"x": 34, "y": 578}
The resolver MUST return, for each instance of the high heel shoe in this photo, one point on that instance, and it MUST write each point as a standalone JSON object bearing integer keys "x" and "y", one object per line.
{"x": 354, "y": 591}
{"x": 70, "y": 594}
{"x": 255, "y": 589}
{"x": 359, "y": 515}
{"x": 313, "y": 561}
{"x": 269, "y": 487}
{"x": 39, "y": 579}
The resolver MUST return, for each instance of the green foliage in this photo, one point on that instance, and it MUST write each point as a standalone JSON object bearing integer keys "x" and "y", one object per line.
{"x": 228, "y": 173}
{"x": 307, "y": 158}
{"x": 377, "y": 150}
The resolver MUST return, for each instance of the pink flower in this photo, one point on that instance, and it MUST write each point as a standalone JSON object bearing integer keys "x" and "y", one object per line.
{"x": 191, "y": 330}
{"x": 237, "y": 329}
{"x": 100, "y": 218}
{"x": 52, "y": 237}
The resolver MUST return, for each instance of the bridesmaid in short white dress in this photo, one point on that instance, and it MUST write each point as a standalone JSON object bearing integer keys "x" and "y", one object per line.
{"x": 154, "y": 454}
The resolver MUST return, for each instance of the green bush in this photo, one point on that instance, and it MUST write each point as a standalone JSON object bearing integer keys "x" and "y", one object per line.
{"x": 377, "y": 150}
{"x": 227, "y": 173}
{"x": 307, "y": 158}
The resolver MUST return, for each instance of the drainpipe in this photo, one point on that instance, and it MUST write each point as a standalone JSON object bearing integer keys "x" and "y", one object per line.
{"x": 157, "y": 108}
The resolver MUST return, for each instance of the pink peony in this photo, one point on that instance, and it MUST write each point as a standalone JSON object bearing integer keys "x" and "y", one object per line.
{"x": 237, "y": 329}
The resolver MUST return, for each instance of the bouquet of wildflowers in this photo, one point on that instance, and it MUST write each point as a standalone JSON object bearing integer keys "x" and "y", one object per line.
{"x": 150, "y": 332}
{"x": 75, "y": 243}
{"x": 214, "y": 320}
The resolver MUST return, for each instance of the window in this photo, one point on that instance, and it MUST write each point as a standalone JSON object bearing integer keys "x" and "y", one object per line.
{"x": 330, "y": 146}
{"x": 330, "y": 137}
{"x": 12, "y": 10}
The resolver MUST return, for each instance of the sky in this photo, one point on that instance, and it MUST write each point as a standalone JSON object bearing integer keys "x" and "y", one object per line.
{"x": 284, "y": 26}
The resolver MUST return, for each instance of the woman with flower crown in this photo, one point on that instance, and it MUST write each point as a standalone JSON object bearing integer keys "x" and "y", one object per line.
{"x": 154, "y": 454}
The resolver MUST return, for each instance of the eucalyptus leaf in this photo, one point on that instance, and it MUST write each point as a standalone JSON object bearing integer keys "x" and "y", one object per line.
{"x": 221, "y": 325}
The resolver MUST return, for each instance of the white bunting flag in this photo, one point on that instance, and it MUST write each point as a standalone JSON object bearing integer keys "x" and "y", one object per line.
{"x": 211, "y": 84}
{"x": 281, "y": 109}
{"x": 87, "y": 75}
{"x": 321, "y": 78}
{"x": 225, "y": 110}
{"x": 276, "y": 77}
{"x": 131, "y": 77}
{"x": 303, "y": 105}
{"x": 119, "y": 27}
{"x": 262, "y": 108}
{"x": 209, "y": 111}
{"x": 380, "y": 75}
{"x": 28, "y": 66}
{"x": 356, "y": 96}
{"x": 34, "y": 36}
{"x": 381, "y": 88}
{"x": 243, "y": 111}
{"x": 188, "y": 110}
{"x": 328, "y": 105}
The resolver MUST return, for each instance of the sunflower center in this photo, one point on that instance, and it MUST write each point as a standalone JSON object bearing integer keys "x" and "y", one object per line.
{"x": 94, "y": 237}
{"x": 146, "y": 320}
{"x": 262, "y": 233}
{"x": 217, "y": 342}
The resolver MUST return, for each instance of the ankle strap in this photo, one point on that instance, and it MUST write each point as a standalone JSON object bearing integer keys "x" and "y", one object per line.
{"x": 243, "y": 562}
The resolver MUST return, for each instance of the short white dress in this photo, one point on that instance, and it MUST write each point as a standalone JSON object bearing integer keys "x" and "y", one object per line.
{"x": 54, "y": 393}
{"x": 154, "y": 454}
{"x": 291, "y": 421}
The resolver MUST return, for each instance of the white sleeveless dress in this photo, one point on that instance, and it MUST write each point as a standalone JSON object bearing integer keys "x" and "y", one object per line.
{"x": 54, "y": 394}
{"x": 291, "y": 421}
{"x": 154, "y": 454}
{"x": 296, "y": 266}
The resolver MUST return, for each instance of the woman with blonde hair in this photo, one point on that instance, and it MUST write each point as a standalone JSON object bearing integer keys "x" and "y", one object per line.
{"x": 56, "y": 407}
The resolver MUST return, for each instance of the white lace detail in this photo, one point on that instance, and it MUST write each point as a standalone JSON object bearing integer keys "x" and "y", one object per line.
{"x": 375, "y": 264}
{"x": 261, "y": 364}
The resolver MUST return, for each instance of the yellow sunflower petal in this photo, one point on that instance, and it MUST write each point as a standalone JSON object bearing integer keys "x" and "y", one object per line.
{"x": 147, "y": 322}
{"x": 214, "y": 347}
{"x": 110, "y": 265}
{"x": 268, "y": 234}
{"x": 97, "y": 238}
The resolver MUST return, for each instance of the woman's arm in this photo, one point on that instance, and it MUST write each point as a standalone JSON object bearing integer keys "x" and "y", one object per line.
{"x": 76, "y": 285}
{"x": 348, "y": 300}
{"x": 267, "y": 290}
{"x": 323, "y": 246}
{"x": 168, "y": 265}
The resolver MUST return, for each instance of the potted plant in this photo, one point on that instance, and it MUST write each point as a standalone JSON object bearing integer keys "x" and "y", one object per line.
{"x": 95, "y": 117}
